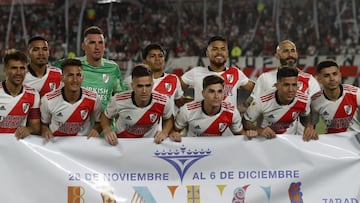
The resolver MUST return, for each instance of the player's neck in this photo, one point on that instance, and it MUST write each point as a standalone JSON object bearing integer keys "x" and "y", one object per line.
{"x": 93, "y": 62}
{"x": 71, "y": 96}
{"x": 37, "y": 71}
{"x": 216, "y": 68}
{"x": 12, "y": 89}
{"x": 158, "y": 74}
{"x": 333, "y": 94}
{"x": 209, "y": 109}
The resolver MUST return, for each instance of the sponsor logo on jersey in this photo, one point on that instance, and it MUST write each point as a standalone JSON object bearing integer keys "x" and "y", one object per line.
{"x": 84, "y": 113}
{"x": 348, "y": 109}
{"x": 168, "y": 86}
{"x": 25, "y": 107}
{"x": 106, "y": 78}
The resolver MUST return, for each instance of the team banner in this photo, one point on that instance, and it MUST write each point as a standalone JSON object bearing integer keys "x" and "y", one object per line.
{"x": 229, "y": 169}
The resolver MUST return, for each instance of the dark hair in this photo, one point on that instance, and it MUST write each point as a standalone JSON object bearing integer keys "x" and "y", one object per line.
{"x": 70, "y": 62}
{"x": 93, "y": 30}
{"x": 37, "y": 38}
{"x": 150, "y": 47}
{"x": 286, "y": 71}
{"x": 211, "y": 80}
{"x": 16, "y": 55}
{"x": 326, "y": 64}
{"x": 140, "y": 70}
{"x": 216, "y": 38}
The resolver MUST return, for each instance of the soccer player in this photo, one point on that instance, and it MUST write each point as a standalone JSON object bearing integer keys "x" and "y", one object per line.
{"x": 217, "y": 52}
{"x": 138, "y": 112}
{"x": 70, "y": 110}
{"x": 19, "y": 104}
{"x": 164, "y": 83}
{"x": 210, "y": 116}
{"x": 287, "y": 55}
{"x": 280, "y": 108}
{"x": 41, "y": 76}
{"x": 338, "y": 104}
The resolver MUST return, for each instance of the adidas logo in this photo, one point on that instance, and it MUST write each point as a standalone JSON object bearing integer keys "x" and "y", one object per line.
{"x": 59, "y": 114}
{"x": 197, "y": 127}
{"x": 2, "y": 108}
{"x": 128, "y": 118}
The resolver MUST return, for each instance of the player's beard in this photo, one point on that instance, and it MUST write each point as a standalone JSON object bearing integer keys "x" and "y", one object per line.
{"x": 218, "y": 64}
{"x": 289, "y": 61}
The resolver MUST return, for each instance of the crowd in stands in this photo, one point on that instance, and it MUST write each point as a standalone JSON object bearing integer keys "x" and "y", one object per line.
{"x": 249, "y": 26}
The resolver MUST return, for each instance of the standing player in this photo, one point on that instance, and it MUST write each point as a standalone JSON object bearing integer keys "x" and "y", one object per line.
{"x": 41, "y": 76}
{"x": 338, "y": 104}
{"x": 217, "y": 52}
{"x": 280, "y": 108}
{"x": 164, "y": 83}
{"x": 138, "y": 112}
{"x": 69, "y": 111}
{"x": 211, "y": 116}
{"x": 19, "y": 104}
{"x": 287, "y": 55}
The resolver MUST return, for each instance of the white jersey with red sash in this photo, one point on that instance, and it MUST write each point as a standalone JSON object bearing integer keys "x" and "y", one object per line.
{"x": 280, "y": 118}
{"x": 66, "y": 119}
{"x": 340, "y": 115}
{"x": 48, "y": 83}
{"x": 266, "y": 81}
{"x": 15, "y": 111}
{"x": 135, "y": 122}
{"x": 233, "y": 76}
{"x": 198, "y": 123}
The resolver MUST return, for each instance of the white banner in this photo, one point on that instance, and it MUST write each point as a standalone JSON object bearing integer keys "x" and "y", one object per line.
{"x": 205, "y": 169}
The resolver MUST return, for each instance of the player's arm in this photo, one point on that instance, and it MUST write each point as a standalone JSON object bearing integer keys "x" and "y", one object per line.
{"x": 96, "y": 129}
{"x": 46, "y": 132}
{"x": 184, "y": 86}
{"x": 249, "y": 86}
{"x": 309, "y": 131}
{"x": 109, "y": 135}
{"x": 167, "y": 125}
{"x": 183, "y": 100}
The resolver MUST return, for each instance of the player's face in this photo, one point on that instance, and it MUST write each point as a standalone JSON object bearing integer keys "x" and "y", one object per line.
{"x": 218, "y": 53}
{"x": 287, "y": 54}
{"x": 213, "y": 95}
{"x": 155, "y": 60}
{"x": 94, "y": 46}
{"x": 15, "y": 72}
{"x": 286, "y": 89}
{"x": 72, "y": 78}
{"x": 330, "y": 78}
{"x": 39, "y": 52}
{"x": 142, "y": 87}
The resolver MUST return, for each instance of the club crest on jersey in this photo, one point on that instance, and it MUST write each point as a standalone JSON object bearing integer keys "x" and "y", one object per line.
{"x": 84, "y": 114}
{"x": 25, "y": 107}
{"x": 294, "y": 115}
{"x": 52, "y": 86}
{"x": 300, "y": 85}
{"x": 153, "y": 117}
{"x": 168, "y": 86}
{"x": 106, "y": 78}
{"x": 222, "y": 127}
{"x": 230, "y": 78}
{"x": 348, "y": 109}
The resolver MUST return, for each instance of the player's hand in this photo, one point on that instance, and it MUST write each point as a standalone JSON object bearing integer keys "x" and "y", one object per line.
{"x": 250, "y": 134}
{"x": 93, "y": 133}
{"x": 310, "y": 134}
{"x": 267, "y": 132}
{"x": 22, "y": 131}
{"x": 111, "y": 137}
{"x": 159, "y": 137}
{"x": 175, "y": 136}
{"x": 47, "y": 134}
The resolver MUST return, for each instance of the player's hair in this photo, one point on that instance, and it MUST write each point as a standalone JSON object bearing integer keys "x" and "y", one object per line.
{"x": 283, "y": 42}
{"x": 150, "y": 47}
{"x": 326, "y": 64}
{"x": 93, "y": 30}
{"x": 70, "y": 62}
{"x": 211, "y": 80}
{"x": 37, "y": 38}
{"x": 286, "y": 71}
{"x": 141, "y": 70}
{"x": 216, "y": 38}
{"x": 16, "y": 55}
